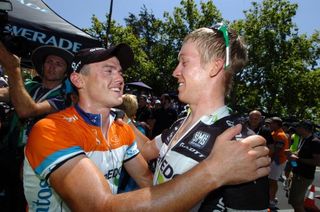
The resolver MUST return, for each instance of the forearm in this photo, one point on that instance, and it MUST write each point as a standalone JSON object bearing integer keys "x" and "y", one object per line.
{"x": 81, "y": 185}
{"x": 140, "y": 138}
{"x": 179, "y": 194}
{"x": 21, "y": 100}
{"x": 138, "y": 169}
{"x": 146, "y": 146}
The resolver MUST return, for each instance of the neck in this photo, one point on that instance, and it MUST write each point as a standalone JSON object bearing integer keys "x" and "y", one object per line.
{"x": 94, "y": 109}
{"x": 51, "y": 84}
{"x": 307, "y": 135}
{"x": 205, "y": 107}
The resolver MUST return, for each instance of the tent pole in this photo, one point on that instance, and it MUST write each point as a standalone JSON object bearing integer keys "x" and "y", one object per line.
{"x": 109, "y": 22}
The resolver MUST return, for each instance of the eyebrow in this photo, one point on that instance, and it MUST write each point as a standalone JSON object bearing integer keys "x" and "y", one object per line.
{"x": 111, "y": 66}
{"x": 180, "y": 55}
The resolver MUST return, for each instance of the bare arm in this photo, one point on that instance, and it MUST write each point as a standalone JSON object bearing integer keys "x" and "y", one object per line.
{"x": 82, "y": 186}
{"x": 23, "y": 103}
{"x": 147, "y": 148}
{"x": 138, "y": 169}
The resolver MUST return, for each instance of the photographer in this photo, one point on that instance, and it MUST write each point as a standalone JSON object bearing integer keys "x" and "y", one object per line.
{"x": 31, "y": 101}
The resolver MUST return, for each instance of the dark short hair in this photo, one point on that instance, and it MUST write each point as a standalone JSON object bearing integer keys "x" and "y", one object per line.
{"x": 305, "y": 124}
{"x": 277, "y": 120}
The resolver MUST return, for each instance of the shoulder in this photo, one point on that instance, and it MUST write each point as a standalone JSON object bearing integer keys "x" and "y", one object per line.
{"x": 279, "y": 134}
{"x": 57, "y": 129}
{"x": 315, "y": 140}
{"x": 31, "y": 85}
{"x": 123, "y": 131}
{"x": 58, "y": 121}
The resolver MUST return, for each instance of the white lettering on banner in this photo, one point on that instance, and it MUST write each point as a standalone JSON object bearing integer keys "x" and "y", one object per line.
{"x": 42, "y": 38}
{"x": 51, "y": 41}
{"x": 39, "y": 36}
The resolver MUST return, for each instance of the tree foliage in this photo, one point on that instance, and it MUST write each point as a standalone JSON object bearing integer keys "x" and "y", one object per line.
{"x": 280, "y": 60}
{"x": 281, "y": 77}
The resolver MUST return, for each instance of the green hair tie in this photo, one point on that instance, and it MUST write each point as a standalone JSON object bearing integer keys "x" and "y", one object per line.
{"x": 223, "y": 28}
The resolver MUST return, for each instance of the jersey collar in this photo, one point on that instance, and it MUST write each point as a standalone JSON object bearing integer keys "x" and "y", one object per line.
{"x": 93, "y": 119}
{"x": 216, "y": 115}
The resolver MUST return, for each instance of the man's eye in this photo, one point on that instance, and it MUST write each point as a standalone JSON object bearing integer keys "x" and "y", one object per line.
{"x": 107, "y": 70}
{"x": 184, "y": 63}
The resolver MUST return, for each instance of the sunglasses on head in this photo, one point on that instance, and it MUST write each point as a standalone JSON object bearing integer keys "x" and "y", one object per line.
{"x": 223, "y": 28}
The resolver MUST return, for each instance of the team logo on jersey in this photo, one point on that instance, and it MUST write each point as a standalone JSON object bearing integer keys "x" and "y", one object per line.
{"x": 70, "y": 119}
{"x": 115, "y": 140}
{"x": 199, "y": 139}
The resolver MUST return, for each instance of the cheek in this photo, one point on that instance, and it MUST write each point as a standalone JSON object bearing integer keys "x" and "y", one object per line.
{"x": 60, "y": 70}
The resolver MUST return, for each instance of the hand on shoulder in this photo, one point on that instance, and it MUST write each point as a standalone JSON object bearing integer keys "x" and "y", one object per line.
{"x": 238, "y": 161}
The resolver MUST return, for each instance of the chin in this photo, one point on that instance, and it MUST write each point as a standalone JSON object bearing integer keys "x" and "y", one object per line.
{"x": 182, "y": 98}
{"x": 117, "y": 102}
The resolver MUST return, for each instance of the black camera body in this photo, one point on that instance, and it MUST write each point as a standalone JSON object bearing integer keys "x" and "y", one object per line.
{"x": 17, "y": 45}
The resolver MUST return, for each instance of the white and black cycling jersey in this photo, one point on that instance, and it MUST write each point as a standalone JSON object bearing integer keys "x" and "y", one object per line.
{"x": 193, "y": 147}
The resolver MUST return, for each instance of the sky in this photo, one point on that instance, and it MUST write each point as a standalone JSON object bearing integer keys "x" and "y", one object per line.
{"x": 79, "y": 12}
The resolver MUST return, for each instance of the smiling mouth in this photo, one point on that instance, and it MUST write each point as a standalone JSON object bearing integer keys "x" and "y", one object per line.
{"x": 180, "y": 84}
{"x": 116, "y": 89}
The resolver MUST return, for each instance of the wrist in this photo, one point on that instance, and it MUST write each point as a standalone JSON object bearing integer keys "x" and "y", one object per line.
{"x": 215, "y": 180}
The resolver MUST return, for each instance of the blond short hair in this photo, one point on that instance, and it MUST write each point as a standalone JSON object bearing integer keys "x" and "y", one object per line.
{"x": 129, "y": 105}
{"x": 210, "y": 44}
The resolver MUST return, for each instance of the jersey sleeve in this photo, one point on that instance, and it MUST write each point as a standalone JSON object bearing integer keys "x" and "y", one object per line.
{"x": 158, "y": 141}
{"x": 132, "y": 149}
{"x": 56, "y": 99}
{"x": 57, "y": 102}
{"x": 49, "y": 145}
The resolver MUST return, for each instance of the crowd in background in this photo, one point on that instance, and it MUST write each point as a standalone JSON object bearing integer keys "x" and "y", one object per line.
{"x": 289, "y": 142}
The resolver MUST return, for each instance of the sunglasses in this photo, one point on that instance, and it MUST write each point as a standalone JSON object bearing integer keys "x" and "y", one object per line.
{"x": 223, "y": 28}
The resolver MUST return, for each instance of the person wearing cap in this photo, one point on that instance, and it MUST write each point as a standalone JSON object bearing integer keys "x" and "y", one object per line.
{"x": 278, "y": 156}
{"x": 307, "y": 158}
{"x": 31, "y": 101}
{"x": 204, "y": 76}
{"x": 74, "y": 157}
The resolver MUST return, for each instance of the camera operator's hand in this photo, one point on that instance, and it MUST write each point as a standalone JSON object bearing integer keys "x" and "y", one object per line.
{"x": 8, "y": 60}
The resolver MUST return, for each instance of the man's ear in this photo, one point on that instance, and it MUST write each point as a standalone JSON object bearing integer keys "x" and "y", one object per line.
{"x": 216, "y": 66}
{"x": 76, "y": 79}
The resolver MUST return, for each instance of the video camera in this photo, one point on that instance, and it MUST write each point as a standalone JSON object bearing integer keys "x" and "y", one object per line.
{"x": 17, "y": 45}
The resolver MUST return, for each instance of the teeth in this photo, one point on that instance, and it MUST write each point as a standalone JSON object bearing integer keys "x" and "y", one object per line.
{"x": 181, "y": 84}
{"x": 116, "y": 89}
